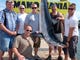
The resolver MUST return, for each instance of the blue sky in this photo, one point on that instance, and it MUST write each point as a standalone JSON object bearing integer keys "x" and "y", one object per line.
{"x": 2, "y": 6}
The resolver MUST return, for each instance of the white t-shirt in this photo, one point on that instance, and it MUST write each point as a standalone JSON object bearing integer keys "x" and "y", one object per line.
{"x": 21, "y": 20}
{"x": 71, "y": 22}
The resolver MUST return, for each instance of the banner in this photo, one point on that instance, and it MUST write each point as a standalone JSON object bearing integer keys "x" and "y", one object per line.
{"x": 61, "y": 4}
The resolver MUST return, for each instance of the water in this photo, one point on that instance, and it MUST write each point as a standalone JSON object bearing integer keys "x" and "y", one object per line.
{"x": 78, "y": 49}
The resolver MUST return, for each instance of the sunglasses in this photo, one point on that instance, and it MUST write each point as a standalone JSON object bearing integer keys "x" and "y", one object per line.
{"x": 34, "y": 7}
{"x": 70, "y": 8}
{"x": 29, "y": 30}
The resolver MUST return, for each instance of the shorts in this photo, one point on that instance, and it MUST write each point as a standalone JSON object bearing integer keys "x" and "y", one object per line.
{"x": 59, "y": 36}
{"x": 72, "y": 49}
{"x": 36, "y": 37}
{"x": 6, "y": 41}
{"x": 37, "y": 42}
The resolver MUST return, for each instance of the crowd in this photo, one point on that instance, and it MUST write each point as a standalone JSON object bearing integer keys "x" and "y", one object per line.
{"x": 17, "y": 31}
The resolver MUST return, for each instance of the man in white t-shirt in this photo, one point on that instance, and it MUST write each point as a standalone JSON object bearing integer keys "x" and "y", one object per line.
{"x": 71, "y": 33}
{"x": 21, "y": 19}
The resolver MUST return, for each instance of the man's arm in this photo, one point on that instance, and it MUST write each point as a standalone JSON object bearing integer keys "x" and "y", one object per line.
{"x": 16, "y": 52}
{"x": 73, "y": 25}
{"x": 20, "y": 57}
{"x": 71, "y": 29}
{"x": 2, "y": 27}
{"x": 61, "y": 17}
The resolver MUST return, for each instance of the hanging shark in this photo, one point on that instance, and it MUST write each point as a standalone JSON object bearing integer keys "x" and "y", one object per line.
{"x": 46, "y": 25}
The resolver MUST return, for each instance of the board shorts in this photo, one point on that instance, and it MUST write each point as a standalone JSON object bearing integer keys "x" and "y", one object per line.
{"x": 6, "y": 41}
{"x": 72, "y": 49}
{"x": 37, "y": 42}
{"x": 36, "y": 37}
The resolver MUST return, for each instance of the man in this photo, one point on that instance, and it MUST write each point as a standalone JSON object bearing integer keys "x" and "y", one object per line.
{"x": 8, "y": 20}
{"x": 22, "y": 47}
{"x": 58, "y": 19}
{"x": 21, "y": 19}
{"x": 71, "y": 33}
{"x": 33, "y": 20}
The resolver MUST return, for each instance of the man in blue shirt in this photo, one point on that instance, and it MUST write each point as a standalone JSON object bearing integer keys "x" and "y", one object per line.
{"x": 8, "y": 20}
{"x": 33, "y": 20}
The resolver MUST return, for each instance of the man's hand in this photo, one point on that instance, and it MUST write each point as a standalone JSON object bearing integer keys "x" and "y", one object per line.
{"x": 13, "y": 33}
{"x": 21, "y": 57}
{"x": 67, "y": 45}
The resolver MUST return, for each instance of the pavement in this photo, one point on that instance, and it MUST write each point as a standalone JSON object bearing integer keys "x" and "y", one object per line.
{"x": 43, "y": 52}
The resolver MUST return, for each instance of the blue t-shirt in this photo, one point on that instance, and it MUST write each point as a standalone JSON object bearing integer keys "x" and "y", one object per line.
{"x": 33, "y": 20}
{"x": 11, "y": 19}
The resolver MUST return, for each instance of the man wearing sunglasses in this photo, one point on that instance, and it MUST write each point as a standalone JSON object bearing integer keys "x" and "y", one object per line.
{"x": 71, "y": 33}
{"x": 33, "y": 20}
{"x": 22, "y": 47}
{"x": 21, "y": 19}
